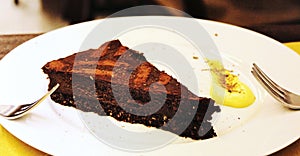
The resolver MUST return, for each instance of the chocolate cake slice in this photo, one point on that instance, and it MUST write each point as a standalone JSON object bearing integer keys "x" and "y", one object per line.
{"x": 116, "y": 81}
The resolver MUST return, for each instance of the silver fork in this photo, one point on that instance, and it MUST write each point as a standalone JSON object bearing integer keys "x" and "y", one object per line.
{"x": 17, "y": 111}
{"x": 287, "y": 98}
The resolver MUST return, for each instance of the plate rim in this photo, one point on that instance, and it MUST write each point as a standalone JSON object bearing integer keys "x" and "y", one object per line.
{"x": 205, "y": 21}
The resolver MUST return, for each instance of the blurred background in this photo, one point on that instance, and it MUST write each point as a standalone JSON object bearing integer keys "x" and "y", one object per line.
{"x": 35, "y": 16}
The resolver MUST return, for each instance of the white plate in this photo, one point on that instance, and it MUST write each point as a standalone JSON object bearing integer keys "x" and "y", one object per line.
{"x": 263, "y": 128}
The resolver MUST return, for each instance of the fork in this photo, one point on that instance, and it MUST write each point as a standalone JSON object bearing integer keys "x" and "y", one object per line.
{"x": 285, "y": 97}
{"x": 16, "y": 111}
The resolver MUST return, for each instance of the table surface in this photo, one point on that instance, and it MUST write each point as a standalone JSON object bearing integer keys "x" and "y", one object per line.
{"x": 9, "y": 42}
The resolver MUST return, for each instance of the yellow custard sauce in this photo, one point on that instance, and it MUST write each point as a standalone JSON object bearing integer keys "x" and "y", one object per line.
{"x": 227, "y": 89}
